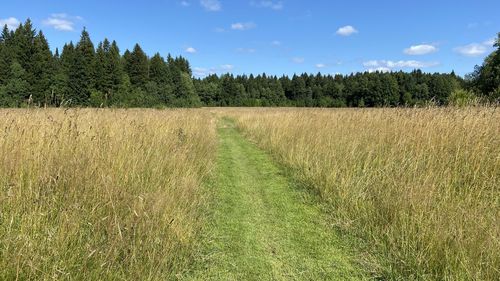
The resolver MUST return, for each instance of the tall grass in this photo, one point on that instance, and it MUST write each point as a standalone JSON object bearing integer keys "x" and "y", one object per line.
{"x": 420, "y": 186}
{"x": 90, "y": 194}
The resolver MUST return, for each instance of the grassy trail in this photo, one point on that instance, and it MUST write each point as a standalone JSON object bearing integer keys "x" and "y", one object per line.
{"x": 263, "y": 227}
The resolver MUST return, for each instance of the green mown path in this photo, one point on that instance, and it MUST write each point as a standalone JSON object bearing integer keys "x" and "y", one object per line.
{"x": 263, "y": 227}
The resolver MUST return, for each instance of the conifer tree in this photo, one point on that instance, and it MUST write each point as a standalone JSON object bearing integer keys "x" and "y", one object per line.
{"x": 65, "y": 76}
{"x": 137, "y": 67}
{"x": 115, "y": 66}
{"x": 42, "y": 70}
{"x": 16, "y": 92}
{"x": 158, "y": 69}
{"x": 5, "y": 55}
{"x": 81, "y": 72}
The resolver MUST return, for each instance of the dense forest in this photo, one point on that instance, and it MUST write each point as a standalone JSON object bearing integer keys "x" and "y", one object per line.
{"x": 85, "y": 75}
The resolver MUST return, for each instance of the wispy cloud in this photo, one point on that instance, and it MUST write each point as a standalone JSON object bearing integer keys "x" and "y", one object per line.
{"x": 476, "y": 49}
{"x": 190, "y": 50}
{"x": 321, "y": 65}
{"x": 246, "y": 50}
{"x": 241, "y": 26}
{"x": 185, "y": 3}
{"x": 61, "y": 22}
{"x": 274, "y": 5}
{"x": 227, "y": 67}
{"x": 276, "y": 43}
{"x": 418, "y": 50}
{"x": 472, "y": 50}
{"x": 298, "y": 60}
{"x": 12, "y": 23}
{"x": 211, "y": 5}
{"x": 489, "y": 42}
{"x": 379, "y": 69}
{"x": 388, "y": 65}
{"x": 347, "y": 30}
{"x": 203, "y": 72}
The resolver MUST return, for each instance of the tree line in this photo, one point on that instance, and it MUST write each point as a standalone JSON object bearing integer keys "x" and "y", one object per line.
{"x": 89, "y": 76}
{"x": 85, "y": 75}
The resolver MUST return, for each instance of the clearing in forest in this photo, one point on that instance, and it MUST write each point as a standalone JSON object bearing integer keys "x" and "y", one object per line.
{"x": 263, "y": 227}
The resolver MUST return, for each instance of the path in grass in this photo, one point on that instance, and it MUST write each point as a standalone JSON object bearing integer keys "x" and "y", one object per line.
{"x": 263, "y": 227}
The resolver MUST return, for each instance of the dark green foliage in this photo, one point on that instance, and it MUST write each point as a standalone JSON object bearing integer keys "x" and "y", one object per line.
{"x": 108, "y": 73}
{"x": 356, "y": 90}
{"x": 81, "y": 71}
{"x": 15, "y": 92}
{"x": 485, "y": 80}
{"x": 43, "y": 70}
{"x": 85, "y": 76}
{"x": 137, "y": 66}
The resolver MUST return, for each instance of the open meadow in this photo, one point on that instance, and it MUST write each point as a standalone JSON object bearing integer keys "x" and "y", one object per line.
{"x": 199, "y": 140}
{"x": 420, "y": 186}
{"x": 89, "y": 194}
{"x": 142, "y": 194}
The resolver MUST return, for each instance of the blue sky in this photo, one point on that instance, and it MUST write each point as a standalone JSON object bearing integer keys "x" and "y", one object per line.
{"x": 280, "y": 37}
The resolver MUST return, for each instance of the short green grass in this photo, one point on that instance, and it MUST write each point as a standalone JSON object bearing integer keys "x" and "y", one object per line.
{"x": 263, "y": 227}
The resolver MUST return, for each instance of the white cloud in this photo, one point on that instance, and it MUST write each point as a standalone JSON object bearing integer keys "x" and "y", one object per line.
{"x": 61, "y": 22}
{"x": 246, "y": 50}
{"x": 418, "y": 50}
{"x": 243, "y": 26}
{"x": 203, "y": 72}
{"x": 274, "y": 5}
{"x": 489, "y": 42}
{"x": 387, "y": 65}
{"x": 211, "y": 5}
{"x": 320, "y": 65}
{"x": 298, "y": 60}
{"x": 227, "y": 67}
{"x": 476, "y": 49}
{"x": 190, "y": 50}
{"x": 347, "y": 30}
{"x": 472, "y": 50}
{"x": 379, "y": 69}
{"x": 12, "y": 23}
{"x": 185, "y": 4}
{"x": 276, "y": 43}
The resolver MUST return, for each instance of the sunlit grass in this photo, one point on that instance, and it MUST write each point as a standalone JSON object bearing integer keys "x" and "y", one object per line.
{"x": 420, "y": 186}
{"x": 90, "y": 194}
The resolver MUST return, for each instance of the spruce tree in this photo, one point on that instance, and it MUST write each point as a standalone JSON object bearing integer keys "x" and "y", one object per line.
{"x": 137, "y": 66}
{"x": 23, "y": 49}
{"x": 103, "y": 79}
{"x": 158, "y": 69}
{"x": 4, "y": 58}
{"x": 81, "y": 75}
{"x": 16, "y": 92}
{"x": 42, "y": 70}
{"x": 65, "y": 76}
{"x": 115, "y": 66}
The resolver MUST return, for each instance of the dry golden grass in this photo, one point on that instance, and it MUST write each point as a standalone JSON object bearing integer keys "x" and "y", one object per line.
{"x": 91, "y": 194}
{"x": 421, "y": 186}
